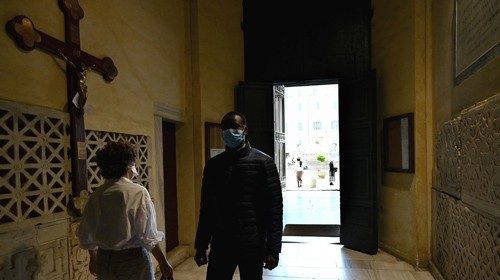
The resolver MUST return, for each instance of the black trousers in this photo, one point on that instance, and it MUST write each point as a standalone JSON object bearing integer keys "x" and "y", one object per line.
{"x": 221, "y": 266}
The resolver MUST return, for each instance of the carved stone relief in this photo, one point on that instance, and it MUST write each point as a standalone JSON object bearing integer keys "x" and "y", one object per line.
{"x": 468, "y": 156}
{"x": 79, "y": 258}
{"x": 466, "y": 245}
{"x": 466, "y": 200}
{"x": 22, "y": 265}
{"x": 447, "y": 157}
{"x": 480, "y": 156}
{"x": 37, "y": 252}
{"x": 53, "y": 260}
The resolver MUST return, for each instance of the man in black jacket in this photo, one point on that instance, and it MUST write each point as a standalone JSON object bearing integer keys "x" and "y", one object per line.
{"x": 241, "y": 212}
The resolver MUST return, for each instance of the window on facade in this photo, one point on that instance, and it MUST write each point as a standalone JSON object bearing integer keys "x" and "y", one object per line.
{"x": 334, "y": 124}
{"x": 300, "y": 106}
{"x": 317, "y": 125}
{"x": 299, "y": 126}
{"x": 317, "y": 105}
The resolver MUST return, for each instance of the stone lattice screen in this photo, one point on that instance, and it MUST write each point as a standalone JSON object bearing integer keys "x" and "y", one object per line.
{"x": 466, "y": 198}
{"x": 34, "y": 163}
{"x": 38, "y": 240}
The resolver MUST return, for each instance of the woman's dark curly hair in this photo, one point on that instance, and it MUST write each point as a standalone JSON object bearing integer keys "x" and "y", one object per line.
{"x": 115, "y": 158}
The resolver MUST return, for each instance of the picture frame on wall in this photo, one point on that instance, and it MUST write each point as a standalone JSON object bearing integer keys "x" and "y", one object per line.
{"x": 398, "y": 141}
{"x": 214, "y": 144}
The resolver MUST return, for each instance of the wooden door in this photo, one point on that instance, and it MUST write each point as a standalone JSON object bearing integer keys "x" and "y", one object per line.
{"x": 279, "y": 131}
{"x": 170, "y": 185}
{"x": 358, "y": 184}
{"x": 255, "y": 101}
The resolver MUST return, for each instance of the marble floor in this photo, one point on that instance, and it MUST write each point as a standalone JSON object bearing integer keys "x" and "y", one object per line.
{"x": 319, "y": 257}
{"x": 318, "y": 260}
{"x": 311, "y": 207}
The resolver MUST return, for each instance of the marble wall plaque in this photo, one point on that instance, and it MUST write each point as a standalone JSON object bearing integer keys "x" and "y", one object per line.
{"x": 477, "y": 35}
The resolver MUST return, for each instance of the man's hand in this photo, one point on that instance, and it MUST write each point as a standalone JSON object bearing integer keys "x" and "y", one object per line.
{"x": 92, "y": 263}
{"x": 201, "y": 258}
{"x": 271, "y": 261}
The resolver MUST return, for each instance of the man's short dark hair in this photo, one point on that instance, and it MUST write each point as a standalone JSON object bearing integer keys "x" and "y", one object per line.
{"x": 114, "y": 159}
{"x": 234, "y": 113}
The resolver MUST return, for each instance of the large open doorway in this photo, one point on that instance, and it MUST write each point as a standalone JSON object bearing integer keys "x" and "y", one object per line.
{"x": 264, "y": 107}
{"x": 312, "y": 137}
{"x": 311, "y": 189}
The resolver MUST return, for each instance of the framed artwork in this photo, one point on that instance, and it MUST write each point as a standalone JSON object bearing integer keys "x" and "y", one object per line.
{"x": 398, "y": 140}
{"x": 214, "y": 144}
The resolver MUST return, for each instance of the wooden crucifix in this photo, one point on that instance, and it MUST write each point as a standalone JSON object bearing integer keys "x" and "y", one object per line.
{"x": 27, "y": 37}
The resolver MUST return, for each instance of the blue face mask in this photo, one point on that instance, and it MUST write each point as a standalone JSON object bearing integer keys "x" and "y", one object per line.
{"x": 233, "y": 137}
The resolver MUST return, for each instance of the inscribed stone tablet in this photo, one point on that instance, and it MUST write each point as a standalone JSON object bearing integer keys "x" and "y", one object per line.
{"x": 477, "y": 35}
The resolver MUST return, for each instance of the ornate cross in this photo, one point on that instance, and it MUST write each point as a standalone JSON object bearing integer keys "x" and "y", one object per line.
{"x": 27, "y": 37}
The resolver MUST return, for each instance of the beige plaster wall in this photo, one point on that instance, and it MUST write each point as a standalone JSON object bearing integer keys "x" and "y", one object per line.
{"x": 399, "y": 57}
{"x": 221, "y": 55}
{"x": 146, "y": 40}
{"x": 220, "y": 45}
{"x": 32, "y": 78}
{"x": 214, "y": 65}
{"x": 182, "y": 56}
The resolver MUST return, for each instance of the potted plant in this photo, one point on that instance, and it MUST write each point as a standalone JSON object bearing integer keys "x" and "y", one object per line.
{"x": 321, "y": 173}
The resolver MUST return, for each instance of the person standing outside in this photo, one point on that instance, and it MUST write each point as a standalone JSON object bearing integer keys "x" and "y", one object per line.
{"x": 332, "y": 170}
{"x": 299, "y": 171}
{"x": 118, "y": 225}
{"x": 241, "y": 211}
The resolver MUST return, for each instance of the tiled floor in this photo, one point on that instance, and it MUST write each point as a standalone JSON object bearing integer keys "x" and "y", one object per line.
{"x": 323, "y": 261}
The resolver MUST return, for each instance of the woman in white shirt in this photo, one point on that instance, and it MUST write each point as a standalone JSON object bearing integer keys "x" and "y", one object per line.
{"x": 118, "y": 226}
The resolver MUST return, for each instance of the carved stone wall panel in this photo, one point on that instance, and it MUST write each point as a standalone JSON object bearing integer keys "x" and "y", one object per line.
{"x": 21, "y": 265}
{"x": 53, "y": 260}
{"x": 34, "y": 163}
{"x": 35, "y": 252}
{"x": 480, "y": 156}
{"x": 466, "y": 229}
{"x": 97, "y": 140}
{"x": 447, "y": 157}
{"x": 466, "y": 245}
{"x": 79, "y": 258}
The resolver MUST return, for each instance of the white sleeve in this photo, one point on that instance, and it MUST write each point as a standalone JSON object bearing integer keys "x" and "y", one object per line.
{"x": 145, "y": 224}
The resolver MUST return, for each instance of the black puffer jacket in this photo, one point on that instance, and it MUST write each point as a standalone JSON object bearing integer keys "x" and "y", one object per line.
{"x": 241, "y": 204}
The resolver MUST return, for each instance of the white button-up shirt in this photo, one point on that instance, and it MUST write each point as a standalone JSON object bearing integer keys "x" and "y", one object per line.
{"x": 119, "y": 215}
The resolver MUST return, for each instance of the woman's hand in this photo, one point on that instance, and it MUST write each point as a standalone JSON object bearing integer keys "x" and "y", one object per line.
{"x": 167, "y": 271}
